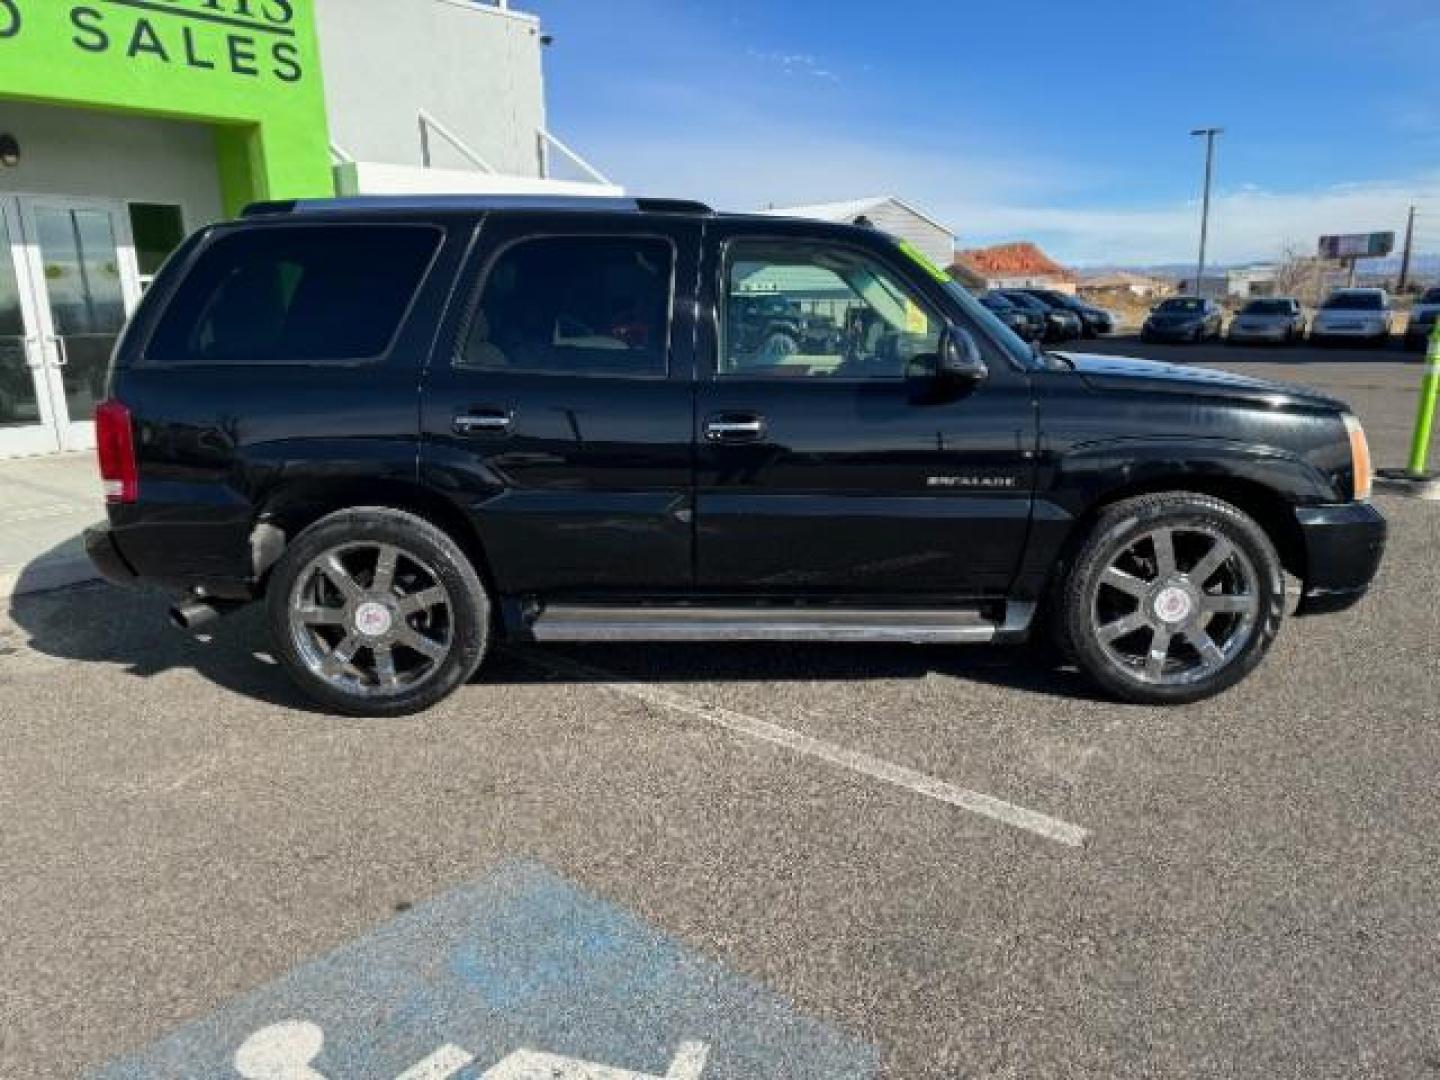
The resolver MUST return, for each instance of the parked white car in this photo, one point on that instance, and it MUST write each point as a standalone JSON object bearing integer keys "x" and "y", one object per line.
{"x": 1422, "y": 319}
{"x": 1354, "y": 315}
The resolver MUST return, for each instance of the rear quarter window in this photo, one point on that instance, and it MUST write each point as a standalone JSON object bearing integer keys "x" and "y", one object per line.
{"x": 294, "y": 294}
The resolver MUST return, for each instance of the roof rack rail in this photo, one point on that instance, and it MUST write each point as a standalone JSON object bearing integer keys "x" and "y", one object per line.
{"x": 477, "y": 202}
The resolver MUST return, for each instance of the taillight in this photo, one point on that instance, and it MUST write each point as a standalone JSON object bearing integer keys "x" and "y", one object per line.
{"x": 115, "y": 439}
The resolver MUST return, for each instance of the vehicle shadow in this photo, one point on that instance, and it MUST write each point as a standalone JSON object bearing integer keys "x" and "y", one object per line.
{"x": 1031, "y": 669}
{"x": 128, "y": 629}
{"x": 97, "y": 623}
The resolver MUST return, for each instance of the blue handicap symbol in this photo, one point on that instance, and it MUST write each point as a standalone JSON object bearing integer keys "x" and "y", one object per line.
{"x": 518, "y": 976}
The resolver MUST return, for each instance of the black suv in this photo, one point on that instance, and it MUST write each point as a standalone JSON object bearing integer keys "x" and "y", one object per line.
{"x": 416, "y": 426}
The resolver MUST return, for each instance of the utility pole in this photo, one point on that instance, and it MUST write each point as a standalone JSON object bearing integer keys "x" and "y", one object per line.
{"x": 1209, "y": 134}
{"x": 1405, "y": 254}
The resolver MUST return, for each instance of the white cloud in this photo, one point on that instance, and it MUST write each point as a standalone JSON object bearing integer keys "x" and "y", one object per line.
{"x": 1245, "y": 223}
{"x": 1077, "y": 214}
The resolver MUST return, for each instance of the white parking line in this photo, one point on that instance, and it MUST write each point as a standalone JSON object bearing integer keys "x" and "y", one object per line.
{"x": 975, "y": 802}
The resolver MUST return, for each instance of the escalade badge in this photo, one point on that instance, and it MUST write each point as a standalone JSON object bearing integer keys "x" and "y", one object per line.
{"x": 970, "y": 481}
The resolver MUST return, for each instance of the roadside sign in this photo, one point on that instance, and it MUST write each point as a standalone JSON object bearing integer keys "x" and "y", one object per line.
{"x": 1375, "y": 245}
{"x": 519, "y": 976}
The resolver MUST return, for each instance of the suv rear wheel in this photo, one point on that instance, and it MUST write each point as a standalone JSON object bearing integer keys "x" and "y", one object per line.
{"x": 1172, "y": 598}
{"x": 376, "y": 612}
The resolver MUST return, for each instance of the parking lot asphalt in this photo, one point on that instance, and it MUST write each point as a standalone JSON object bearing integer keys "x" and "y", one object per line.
{"x": 1251, "y": 887}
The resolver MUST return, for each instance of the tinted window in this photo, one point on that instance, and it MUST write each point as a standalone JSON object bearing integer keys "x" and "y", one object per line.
{"x": 804, "y": 310}
{"x": 1024, "y": 300}
{"x": 575, "y": 305}
{"x": 1268, "y": 307}
{"x": 157, "y": 229}
{"x": 1183, "y": 305}
{"x": 295, "y": 295}
{"x": 1432, "y": 296}
{"x": 1356, "y": 301}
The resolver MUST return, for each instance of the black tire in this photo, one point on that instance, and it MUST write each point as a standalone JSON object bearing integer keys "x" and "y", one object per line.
{"x": 467, "y": 608}
{"x": 1076, "y": 625}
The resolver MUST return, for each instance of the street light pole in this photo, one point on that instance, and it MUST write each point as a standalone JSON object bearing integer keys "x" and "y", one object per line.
{"x": 1209, "y": 134}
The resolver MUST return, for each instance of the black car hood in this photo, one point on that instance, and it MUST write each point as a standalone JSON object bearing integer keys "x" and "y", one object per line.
{"x": 1150, "y": 376}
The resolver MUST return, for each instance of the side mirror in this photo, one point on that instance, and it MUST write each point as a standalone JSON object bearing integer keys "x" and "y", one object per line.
{"x": 960, "y": 359}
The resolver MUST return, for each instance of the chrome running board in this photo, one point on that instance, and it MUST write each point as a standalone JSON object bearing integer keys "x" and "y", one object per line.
{"x": 954, "y": 626}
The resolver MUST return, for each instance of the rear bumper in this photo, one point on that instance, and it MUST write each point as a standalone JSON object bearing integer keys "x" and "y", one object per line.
{"x": 1344, "y": 544}
{"x": 106, "y": 557}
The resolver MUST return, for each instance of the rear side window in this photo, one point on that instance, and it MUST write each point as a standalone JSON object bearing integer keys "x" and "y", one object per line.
{"x": 575, "y": 305}
{"x": 295, "y": 295}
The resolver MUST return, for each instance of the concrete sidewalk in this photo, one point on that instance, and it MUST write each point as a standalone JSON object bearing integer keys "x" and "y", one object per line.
{"x": 44, "y": 503}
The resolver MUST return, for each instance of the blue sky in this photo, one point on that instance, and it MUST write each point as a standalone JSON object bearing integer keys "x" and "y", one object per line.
{"x": 1063, "y": 122}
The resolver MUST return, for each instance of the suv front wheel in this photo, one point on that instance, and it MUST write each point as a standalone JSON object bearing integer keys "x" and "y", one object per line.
{"x": 376, "y": 612}
{"x": 1172, "y": 598}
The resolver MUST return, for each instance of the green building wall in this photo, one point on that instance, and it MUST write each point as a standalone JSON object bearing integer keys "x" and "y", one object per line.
{"x": 249, "y": 68}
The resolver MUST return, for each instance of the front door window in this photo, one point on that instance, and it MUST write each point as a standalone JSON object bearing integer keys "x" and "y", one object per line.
{"x": 809, "y": 311}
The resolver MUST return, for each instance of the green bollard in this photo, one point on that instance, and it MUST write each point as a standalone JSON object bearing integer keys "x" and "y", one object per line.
{"x": 1425, "y": 417}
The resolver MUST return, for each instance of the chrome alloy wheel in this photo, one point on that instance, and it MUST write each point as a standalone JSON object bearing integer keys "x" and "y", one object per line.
{"x": 1176, "y": 605}
{"x": 370, "y": 619}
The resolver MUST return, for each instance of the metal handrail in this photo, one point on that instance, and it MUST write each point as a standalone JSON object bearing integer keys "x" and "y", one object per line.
{"x": 429, "y": 123}
{"x": 546, "y": 140}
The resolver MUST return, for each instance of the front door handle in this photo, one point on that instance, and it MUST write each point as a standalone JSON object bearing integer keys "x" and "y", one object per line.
{"x": 735, "y": 427}
{"x": 482, "y": 422}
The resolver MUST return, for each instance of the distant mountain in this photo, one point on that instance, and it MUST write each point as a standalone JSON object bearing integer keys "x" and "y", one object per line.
{"x": 1422, "y": 265}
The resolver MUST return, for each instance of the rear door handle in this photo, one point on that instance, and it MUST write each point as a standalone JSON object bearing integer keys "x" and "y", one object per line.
{"x": 735, "y": 427}
{"x": 482, "y": 422}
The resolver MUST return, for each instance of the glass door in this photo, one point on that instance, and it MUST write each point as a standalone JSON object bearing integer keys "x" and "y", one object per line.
{"x": 27, "y": 422}
{"x": 82, "y": 265}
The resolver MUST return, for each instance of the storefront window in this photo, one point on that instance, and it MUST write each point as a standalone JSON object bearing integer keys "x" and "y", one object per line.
{"x": 158, "y": 229}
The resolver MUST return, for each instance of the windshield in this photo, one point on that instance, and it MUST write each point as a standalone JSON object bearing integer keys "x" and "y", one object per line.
{"x": 1185, "y": 305}
{"x": 1355, "y": 301}
{"x": 1019, "y": 352}
{"x": 1432, "y": 296}
{"x": 1267, "y": 307}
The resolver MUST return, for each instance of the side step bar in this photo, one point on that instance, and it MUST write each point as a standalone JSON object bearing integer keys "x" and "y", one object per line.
{"x": 955, "y": 626}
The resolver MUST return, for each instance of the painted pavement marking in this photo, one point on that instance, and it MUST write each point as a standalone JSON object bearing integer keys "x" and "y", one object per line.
{"x": 976, "y": 802}
{"x": 518, "y": 976}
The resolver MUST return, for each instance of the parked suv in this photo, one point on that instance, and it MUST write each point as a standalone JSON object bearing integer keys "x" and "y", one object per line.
{"x": 413, "y": 427}
{"x": 1094, "y": 321}
{"x": 1060, "y": 324}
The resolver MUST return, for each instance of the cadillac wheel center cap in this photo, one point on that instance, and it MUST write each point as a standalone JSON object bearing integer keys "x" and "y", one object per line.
{"x": 1173, "y": 604}
{"x": 373, "y": 619}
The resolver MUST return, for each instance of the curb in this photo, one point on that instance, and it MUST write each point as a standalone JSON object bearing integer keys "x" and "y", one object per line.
{"x": 1400, "y": 482}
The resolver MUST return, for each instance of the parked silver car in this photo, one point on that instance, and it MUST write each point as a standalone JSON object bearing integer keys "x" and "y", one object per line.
{"x": 1362, "y": 315}
{"x": 1274, "y": 318}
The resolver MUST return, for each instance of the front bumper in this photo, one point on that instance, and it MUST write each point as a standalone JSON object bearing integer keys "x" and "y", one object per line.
{"x": 1343, "y": 545}
{"x": 1257, "y": 333}
{"x": 1357, "y": 333}
{"x": 1170, "y": 333}
{"x": 106, "y": 557}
